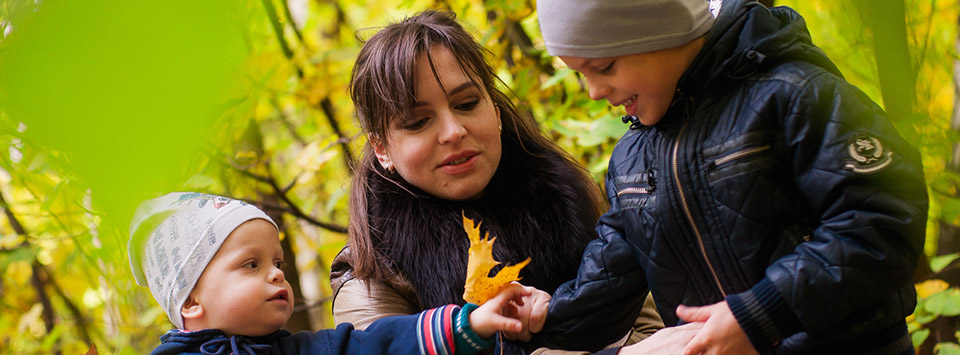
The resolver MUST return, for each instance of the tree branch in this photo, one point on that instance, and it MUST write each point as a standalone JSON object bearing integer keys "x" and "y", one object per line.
{"x": 330, "y": 113}
{"x": 38, "y": 278}
{"x": 278, "y": 32}
{"x": 292, "y": 207}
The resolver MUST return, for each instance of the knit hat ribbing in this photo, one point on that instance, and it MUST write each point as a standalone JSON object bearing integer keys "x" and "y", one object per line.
{"x": 610, "y": 28}
{"x": 174, "y": 237}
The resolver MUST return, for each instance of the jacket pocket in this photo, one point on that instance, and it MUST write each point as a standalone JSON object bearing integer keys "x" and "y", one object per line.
{"x": 636, "y": 190}
{"x": 747, "y": 153}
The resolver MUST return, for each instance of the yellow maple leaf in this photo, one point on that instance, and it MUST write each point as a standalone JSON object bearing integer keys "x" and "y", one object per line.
{"x": 479, "y": 286}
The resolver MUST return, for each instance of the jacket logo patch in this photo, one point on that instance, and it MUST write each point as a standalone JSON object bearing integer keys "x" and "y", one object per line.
{"x": 867, "y": 154}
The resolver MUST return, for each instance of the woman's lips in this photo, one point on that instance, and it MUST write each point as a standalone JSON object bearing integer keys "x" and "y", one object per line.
{"x": 459, "y": 164}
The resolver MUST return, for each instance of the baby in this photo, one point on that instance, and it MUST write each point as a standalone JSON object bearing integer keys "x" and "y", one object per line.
{"x": 215, "y": 266}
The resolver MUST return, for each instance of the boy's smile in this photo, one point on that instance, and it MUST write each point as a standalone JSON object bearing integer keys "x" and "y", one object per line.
{"x": 643, "y": 83}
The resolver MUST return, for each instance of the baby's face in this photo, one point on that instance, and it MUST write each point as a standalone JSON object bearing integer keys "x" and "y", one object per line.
{"x": 243, "y": 291}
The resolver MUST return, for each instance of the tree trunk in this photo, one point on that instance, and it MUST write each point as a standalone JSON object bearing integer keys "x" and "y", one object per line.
{"x": 948, "y": 241}
{"x": 300, "y": 320}
{"x": 898, "y": 81}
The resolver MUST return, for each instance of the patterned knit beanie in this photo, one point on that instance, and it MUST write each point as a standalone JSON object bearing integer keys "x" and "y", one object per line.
{"x": 174, "y": 237}
{"x": 610, "y": 28}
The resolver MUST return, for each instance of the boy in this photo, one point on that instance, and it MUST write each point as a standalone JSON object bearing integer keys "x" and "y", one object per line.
{"x": 757, "y": 192}
{"x": 214, "y": 265}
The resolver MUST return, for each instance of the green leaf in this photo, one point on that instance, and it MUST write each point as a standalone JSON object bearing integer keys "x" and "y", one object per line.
{"x": 946, "y": 303}
{"x": 919, "y": 337}
{"x": 947, "y": 349}
{"x": 51, "y": 338}
{"x": 557, "y": 77}
{"x": 150, "y": 316}
{"x": 27, "y": 254}
{"x": 198, "y": 182}
{"x": 939, "y": 262}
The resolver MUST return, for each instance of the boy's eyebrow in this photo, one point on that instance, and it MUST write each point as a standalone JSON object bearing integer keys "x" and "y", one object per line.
{"x": 466, "y": 85}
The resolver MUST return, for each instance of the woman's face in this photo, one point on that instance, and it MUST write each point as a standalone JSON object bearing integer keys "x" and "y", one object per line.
{"x": 450, "y": 148}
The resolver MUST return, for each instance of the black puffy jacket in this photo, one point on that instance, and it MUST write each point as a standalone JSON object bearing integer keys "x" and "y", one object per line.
{"x": 770, "y": 183}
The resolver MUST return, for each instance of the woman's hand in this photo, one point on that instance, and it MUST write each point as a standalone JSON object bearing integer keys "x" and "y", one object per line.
{"x": 670, "y": 340}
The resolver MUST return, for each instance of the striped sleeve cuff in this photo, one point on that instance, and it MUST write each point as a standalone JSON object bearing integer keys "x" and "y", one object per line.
{"x": 435, "y": 330}
{"x": 764, "y": 316}
{"x": 469, "y": 342}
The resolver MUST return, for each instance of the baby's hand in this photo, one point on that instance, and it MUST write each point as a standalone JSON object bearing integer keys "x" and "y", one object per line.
{"x": 531, "y": 310}
{"x": 500, "y": 312}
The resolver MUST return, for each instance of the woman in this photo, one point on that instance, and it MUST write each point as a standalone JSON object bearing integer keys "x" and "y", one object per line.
{"x": 444, "y": 140}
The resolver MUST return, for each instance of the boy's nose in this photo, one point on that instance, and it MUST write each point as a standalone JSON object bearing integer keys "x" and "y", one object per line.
{"x": 597, "y": 92}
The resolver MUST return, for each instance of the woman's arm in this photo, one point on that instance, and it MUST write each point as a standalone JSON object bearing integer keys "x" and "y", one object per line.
{"x": 362, "y": 302}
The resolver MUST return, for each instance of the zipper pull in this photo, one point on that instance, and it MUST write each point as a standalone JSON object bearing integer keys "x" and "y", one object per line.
{"x": 633, "y": 120}
{"x": 651, "y": 182}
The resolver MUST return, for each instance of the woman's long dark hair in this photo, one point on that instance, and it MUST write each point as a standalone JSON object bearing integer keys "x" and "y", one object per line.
{"x": 383, "y": 88}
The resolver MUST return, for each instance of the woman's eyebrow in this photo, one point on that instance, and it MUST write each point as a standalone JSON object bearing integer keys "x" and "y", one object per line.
{"x": 462, "y": 87}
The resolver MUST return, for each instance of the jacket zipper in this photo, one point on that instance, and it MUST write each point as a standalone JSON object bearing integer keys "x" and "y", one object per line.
{"x": 633, "y": 190}
{"x": 686, "y": 211}
{"x": 739, "y": 154}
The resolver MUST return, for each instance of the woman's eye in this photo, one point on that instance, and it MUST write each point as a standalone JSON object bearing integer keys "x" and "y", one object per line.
{"x": 416, "y": 124}
{"x": 467, "y": 106}
{"x": 607, "y": 68}
{"x": 252, "y": 264}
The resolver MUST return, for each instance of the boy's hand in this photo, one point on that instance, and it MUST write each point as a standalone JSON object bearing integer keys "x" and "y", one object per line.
{"x": 499, "y": 313}
{"x": 531, "y": 310}
{"x": 721, "y": 334}
{"x": 669, "y": 340}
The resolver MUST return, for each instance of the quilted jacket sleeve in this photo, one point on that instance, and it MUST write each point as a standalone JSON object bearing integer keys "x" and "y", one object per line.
{"x": 866, "y": 184}
{"x": 602, "y": 303}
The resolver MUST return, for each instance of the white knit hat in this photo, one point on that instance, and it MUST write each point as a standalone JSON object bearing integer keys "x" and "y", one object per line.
{"x": 174, "y": 237}
{"x": 610, "y": 28}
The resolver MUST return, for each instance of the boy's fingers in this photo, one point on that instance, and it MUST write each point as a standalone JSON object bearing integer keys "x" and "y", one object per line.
{"x": 693, "y": 314}
{"x": 538, "y": 315}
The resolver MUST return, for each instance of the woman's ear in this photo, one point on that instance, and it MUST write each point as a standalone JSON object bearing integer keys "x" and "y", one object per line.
{"x": 499, "y": 119}
{"x": 191, "y": 309}
{"x": 381, "y": 152}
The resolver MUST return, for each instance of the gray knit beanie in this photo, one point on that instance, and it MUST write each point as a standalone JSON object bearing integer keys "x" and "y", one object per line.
{"x": 174, "y": 237}
{"x": 610, "y": 28}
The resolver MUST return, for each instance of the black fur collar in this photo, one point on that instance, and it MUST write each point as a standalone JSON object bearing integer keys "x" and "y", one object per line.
{"x": 530, "y": 206}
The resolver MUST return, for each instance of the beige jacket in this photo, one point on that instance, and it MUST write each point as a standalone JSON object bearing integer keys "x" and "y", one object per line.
{"x": 361, "y": 303}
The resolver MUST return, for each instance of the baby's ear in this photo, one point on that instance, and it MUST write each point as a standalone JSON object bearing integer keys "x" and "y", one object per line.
{"x": 191, "y": 309}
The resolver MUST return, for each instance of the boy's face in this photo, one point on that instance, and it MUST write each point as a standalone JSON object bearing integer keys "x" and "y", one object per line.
{"x": 642, "y": 83}
{"x": 243, "y": 291}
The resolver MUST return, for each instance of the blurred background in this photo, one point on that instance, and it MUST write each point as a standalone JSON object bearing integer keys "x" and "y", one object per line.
{"x": 106, "y": 103}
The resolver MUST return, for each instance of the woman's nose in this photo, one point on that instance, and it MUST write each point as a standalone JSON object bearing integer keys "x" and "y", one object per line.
{"x": 451, "y": 129}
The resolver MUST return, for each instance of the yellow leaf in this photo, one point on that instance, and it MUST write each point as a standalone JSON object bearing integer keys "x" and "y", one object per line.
{"x": 929, "y": 287}
{"x": 479, "y": 286}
